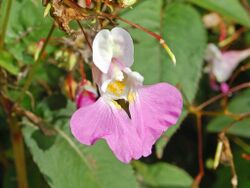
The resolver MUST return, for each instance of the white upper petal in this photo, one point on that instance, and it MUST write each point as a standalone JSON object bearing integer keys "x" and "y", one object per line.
{"x": 123, "y": 48}
{"x": 116, "y": 45}
{"x": 103, "y": 50}
{"x": 221, "y": 71}
{"x": 212, "y": 53}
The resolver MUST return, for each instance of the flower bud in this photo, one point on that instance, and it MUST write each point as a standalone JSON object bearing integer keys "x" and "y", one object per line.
{"x": 127, "y": 3}
{"x": 86, "y": 95}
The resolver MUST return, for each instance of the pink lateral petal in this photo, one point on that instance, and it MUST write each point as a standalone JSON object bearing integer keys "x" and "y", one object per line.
{"x": 100, "y": 120}
{"x": 124, "y": 142}
{"x": 156, "y": 108}
{"x": 233, "y": 58}
{"x": 92, "y": 122}
{"x": 230, "y": 60}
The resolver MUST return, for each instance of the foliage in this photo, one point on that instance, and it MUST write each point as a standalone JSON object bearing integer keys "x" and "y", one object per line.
{"x": 240, "y": 104}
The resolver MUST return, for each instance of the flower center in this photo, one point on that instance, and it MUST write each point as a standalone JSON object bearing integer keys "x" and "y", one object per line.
{"x": 116, "y": 88}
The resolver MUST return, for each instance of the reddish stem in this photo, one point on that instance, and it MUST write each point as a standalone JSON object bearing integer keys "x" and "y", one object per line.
{"x": 17, "y": 141}
{"x": 233, "y": 38}
{"x": 82, "y": 72}
{"x": 69, "y": 83}
{"x": 18, "y": 150}
{"x": 223, "y": 31}
{"x": 240, "y": 70}
{"x": 85, "y": 35}
{"x": 200, "y": 152}
{"x": 217, "y": 97}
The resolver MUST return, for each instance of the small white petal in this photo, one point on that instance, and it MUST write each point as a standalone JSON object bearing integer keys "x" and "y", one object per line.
{"x": 119, "y": 76}
{"x": 116, "y": 72}
{"x": 105, "y": 84}
{"x": 103, "y": 50}
{"x": 221, "y": 71}
{"x": 134, "y": 77}
{"x": 137, "y": 76}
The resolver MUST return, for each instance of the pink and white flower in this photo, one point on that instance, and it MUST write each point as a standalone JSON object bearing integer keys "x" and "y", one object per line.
{"x": 128, "y": 115}
{"x": 224, "y": 63}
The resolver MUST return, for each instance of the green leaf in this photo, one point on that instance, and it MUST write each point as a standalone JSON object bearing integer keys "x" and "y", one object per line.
{"x": 147, "y": 49}
{"x": 7, "y": 62}
{"x": 240, "y": 104}
{"x": 66, "y": 163}
{"x": 187, "y": 44}
{"x": 229, "y": 8}
{"x": 26, "y": 27}
{"x": 182, "y": 28}
{"x": 162, "y": 175}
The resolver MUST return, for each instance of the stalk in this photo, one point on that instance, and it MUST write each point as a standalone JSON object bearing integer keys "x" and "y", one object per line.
{"x": 5, "y": 23}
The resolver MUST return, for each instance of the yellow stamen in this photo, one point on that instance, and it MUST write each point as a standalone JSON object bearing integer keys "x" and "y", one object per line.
{"x": 116, "y": 105}
{"x": 131, "y": 97}
{"x": 116, "y": 88}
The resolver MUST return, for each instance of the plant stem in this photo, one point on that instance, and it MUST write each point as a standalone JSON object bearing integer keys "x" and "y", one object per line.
{"x": 217, "y": 97}
{"x": 18, "y": 149}
{"x": 228, "y": 158}
{"x": 17, "y": 141}
{"x": 5, "y": 23}
{"x": 98, "y": 5}
{"x": 33, "y": 68}
{"x": 243, "y": 68}
{"x": 85, "y": 35}
{"x": 200, "y": 152}
{"x": 241, "y": 143}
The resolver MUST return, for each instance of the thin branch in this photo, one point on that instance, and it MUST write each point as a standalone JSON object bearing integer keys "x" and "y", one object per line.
{"x": 212, "y": 113}
{"x": 217, "y": 97}
{"x": 33, "y": 68}
{"x": 198, "y": 178}
{"x": 226, "y": 157}
{"x": 241, "y": 143}
{"x": 238, "y": 71}
{"x": 5, "y": 23}
{"x": 18, "y": 150}
{"x": 16, "y": 140}
{"x": 225, "y": 43}
{"x": 85, "y": 35}
{"x": 240, "y": 118}
{"x": 246, "y": 5}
